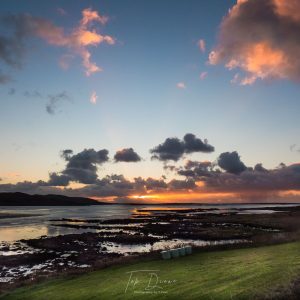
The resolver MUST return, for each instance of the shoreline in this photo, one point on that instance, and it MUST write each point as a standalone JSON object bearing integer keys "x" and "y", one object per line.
{"x": 140, "y": 236}
{"x": 17, "y": 215}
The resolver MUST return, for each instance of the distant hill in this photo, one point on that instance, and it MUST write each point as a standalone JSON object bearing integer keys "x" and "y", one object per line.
{"x": 22, "y": 199}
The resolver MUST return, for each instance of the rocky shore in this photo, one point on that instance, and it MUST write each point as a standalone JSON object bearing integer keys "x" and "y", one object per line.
{"x": 147, "y": 232}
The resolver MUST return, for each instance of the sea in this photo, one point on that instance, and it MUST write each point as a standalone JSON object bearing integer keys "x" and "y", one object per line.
{"x": 38, "y": 222}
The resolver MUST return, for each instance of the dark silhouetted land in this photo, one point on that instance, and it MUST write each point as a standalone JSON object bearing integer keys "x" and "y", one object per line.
{"x": 22, "y": 199}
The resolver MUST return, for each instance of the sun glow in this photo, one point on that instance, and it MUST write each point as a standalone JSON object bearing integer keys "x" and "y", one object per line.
{"x": 144, "y": 196}
{"x": 182, "y": 197}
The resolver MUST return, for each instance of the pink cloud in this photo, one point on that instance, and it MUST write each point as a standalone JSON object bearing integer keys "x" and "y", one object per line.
{"x": 89, "y": 16}
{"x": 203, "y": 75}
{"x": 78, "y": 41}
{"x": 181, "y": 85}
{"x": 65, "y": 61}
{"x": 202, "y": 46}
{"x": 261, "y": 39}
{"x": 93, "y": 98}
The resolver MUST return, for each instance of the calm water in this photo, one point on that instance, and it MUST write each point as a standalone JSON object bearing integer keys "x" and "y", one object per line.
{"x": 12, "y": 229}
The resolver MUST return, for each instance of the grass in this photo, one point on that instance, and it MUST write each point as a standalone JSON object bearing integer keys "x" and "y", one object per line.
{"x": 229, "y": 274}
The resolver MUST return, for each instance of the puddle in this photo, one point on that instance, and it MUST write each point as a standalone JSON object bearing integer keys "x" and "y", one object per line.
{"x": 127, "y": 249}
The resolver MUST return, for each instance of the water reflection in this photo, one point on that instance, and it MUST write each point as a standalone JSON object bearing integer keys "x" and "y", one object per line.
{"x": 38, "y": 221}
{"x": 10, "y": 234}
{"x": 127, "y": 249}
{"x": 15, "y": 233}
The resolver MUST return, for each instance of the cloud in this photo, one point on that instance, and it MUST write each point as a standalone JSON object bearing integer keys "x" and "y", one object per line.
{"x": 89, "y": 16}
{"x": 77, "y": 42}
{"x": 65, "y": 61}
{"x": 25, "y": 186}
{"x": 11, "y": 91}
{"x": 231, "y": 163}
{"x": 66, "y": 154}
{"x": 202, "y": 178}
{"x": 127, "y": 155}
{"x": 261, "y": 38}
{"x": 174, "y": 148}
{"x": 58, "y": 180}
{"x": 259, "y": 168}
{"x": 227, "y": 176}
{"x": 176, "y": 184}
{"x": 150, "y": 184}
{"x": 181, "y": 85}
{"x": 54, "y": 101}
{"x": 33, "y": 94}
{"x": 203, "y": 75}
{"x": 4, "y": 78}
{"x": 61, "y": 11}
{"x": 196, "y": 169}
{"x": 170, "y": 149}
{"x": 243, "y": 182}
{"x": 11, "y": 47}
{"x": 82, "y": 167}
{"x": 93, "y": 98}
{"x": 294, "y": 148}
{"x": 194, "y": 144}
{"x": 111, "y": 187}
{"x": 201, "y": 45}
{"x": 12, "y": 43}
{"x": 260, "y": 181}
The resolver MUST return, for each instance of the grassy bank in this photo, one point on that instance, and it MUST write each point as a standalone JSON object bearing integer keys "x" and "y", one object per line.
{"x": 231, "y": 274}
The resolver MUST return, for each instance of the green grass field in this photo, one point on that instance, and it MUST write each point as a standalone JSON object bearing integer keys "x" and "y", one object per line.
{"x": 229, "y": 274}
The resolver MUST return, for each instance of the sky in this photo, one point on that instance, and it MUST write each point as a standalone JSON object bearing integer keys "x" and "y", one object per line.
{"x": 178, "y": 101}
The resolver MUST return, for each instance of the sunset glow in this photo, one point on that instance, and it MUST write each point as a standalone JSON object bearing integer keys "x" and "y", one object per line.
{"x": 135, "y": 110}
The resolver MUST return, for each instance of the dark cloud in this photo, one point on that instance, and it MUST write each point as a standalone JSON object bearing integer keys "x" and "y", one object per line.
{"x": 174, "y": 148}
{"x": 54, "y": 101}
{"x": 12, "y": 42}
{"x": 150, "y": 184}
{"x": 25, "y": 186}
{"x": 260, "y": 168}
{"x": 58, "y": 180}
{"x": 82, "y": 167}
{"x": 33, "y": 94}
{"x": 66, "y": 154}
{"x": 253, "y": 180}
{"x": 170, "y": 149}
{"x": 262, "y": 39}
{"x": 255, "y": 183}
{"x": 11, "y": 91}
{"x": 111, "y": 186}
{"x": 294, "y": 148}
{"x": 12, "y": 47}
{"x": 196, "y": 169}
{"x": 118, "y": 186}
{"x": 4, "y": 78}
{"x": 176, "y": 184}
{"x": 170, "y": 168}
{"x": 193, "y": 144}
{"x": 127, "y": 155}
{"x": 231, "y": 163}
